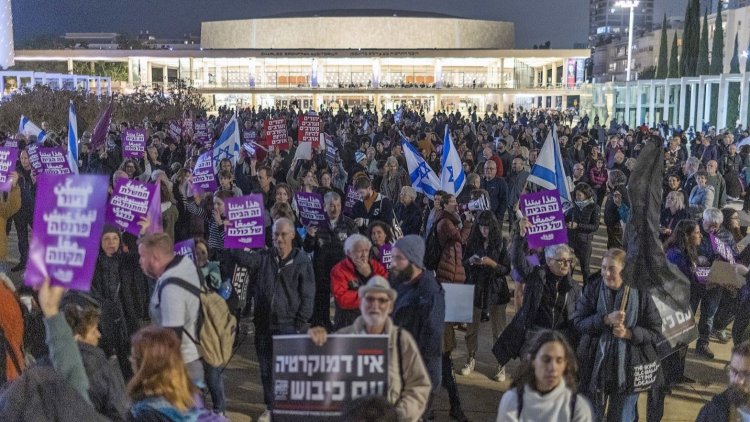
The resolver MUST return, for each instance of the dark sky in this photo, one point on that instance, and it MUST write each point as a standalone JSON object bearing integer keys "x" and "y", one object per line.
{"x": 563, "y": 22}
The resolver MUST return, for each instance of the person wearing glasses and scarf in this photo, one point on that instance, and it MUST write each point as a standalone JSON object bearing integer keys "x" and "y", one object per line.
{"x": 550, "y": 296}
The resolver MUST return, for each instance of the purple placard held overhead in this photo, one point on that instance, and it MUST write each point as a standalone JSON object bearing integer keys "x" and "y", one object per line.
{"x": 36, "y": 164}
{"x": 11, "y": 143}
{"x": 175, "y": 130}
{"x": 8, "y": 157}
{"x": 54, "y": 161}
{"x": 721, "y": 248}
{"x": 249, "y": 135}
{"x": 245, "y": 228}
{"x": 311, "y": 209}
{"x": 133, "y": 143}
{"x": 204, "y": 179}
{"x": 352, "y": 197}
{"x": 67, "y": 230}
{"x": 201, "y": 132}
{"x": 133, "y": 200}
{"x": 546, "y": 217}
{"x": 386, "y": 255}
{"x": 185, "y": 248}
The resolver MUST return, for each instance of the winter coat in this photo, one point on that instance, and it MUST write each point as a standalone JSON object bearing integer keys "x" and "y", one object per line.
{"x": 380, "y": 209}
{"x": 346, "y": 281}
{"x": 106, "y": 386}
{"x": 284, "y": 295}
{"x": 409, "y": 218}
{"x": 408, "y": 381}
{"x": 587, "y": 219}
{"x": 25, "y": 214}
{"x": 489, "y": 290}
{"x": 391, "y": 185}
{"x": 420, "y": 309}
{"x": 701, "y": 198}
{"x": 718, "y": 409}
{"x": 10, "y": 204}
{"x": 451, "y": 237}
{"x": 327, "y": 247}
{"x": 598, "y": 177}
{"x": 169, "y": 217}
{"x": 498, "y": 192}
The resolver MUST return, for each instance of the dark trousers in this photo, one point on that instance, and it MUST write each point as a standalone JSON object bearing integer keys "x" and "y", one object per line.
{"x": 215, "y": 385}
{"x": 673, "y": 367}
{"x": 264, "y": 349}
{"x": 22, "y": 230}
{"x": 614, "y": 236}
{"x": 709, "y": 301}
{"x": 582, "y": 249}
{"x": 449, "y": 381}
{"x": 321, "y": 316}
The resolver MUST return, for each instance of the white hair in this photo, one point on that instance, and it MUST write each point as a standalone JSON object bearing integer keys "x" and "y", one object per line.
{"x": 551, "y": 251}
{"x": 354, "y": 240}
{"x": 713, "y": 216}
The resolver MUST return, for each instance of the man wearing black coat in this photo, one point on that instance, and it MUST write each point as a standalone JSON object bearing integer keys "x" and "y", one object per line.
{"x": 734, "y": 402}
{"x": 497, "y": 189}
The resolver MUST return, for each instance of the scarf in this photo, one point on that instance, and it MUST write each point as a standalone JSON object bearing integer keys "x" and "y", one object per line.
{"x": 608, "y": 342}
{"x": 584, "y": 204}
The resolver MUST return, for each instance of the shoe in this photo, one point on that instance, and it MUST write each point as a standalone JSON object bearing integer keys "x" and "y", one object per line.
{"x": 19, "y": 267}
{"x": 458, "y": 414}
{"x": 721, "y": 336}
{"x": 703, "y": 350}
{"x": 469, "y": 367}
{"x": 500, "y": 375}
{"x": 265, "y": 417}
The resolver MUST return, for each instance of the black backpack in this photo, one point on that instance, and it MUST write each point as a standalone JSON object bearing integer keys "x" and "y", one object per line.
{"x": 432, "y": 251}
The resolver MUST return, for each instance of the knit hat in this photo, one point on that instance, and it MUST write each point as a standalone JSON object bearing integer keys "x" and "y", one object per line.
{"x": 359, "y": 156}
{"x": 111, "y": 228}
{"x": 412, "y": 246}
{"x": 377, "y": 284}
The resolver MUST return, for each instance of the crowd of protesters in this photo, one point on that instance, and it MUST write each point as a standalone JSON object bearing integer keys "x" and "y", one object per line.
{"x": 126, "y": 347}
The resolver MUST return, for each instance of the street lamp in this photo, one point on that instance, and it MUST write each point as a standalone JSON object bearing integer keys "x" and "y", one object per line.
{"x": 630, "y": 4}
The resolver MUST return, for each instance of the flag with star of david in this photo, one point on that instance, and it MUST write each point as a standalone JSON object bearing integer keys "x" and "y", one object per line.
{"x": 228, "y": 144}
{"x": 452, "y": 175}
{"x": 423, "y": 179}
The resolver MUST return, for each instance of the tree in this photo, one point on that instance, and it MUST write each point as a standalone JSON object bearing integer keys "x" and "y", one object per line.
{"x": 662, "y": 65}
{"x": 691, "y": 39}
{"x": 717, "y": 49}
{"x": 647, "y": 73}
{"x": 703, "y": 65}
{"x": 674, "y": 59}
{"x": 733, "y": 89}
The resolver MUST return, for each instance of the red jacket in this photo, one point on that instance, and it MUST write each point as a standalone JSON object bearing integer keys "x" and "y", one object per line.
{"x": 344, "y": 272}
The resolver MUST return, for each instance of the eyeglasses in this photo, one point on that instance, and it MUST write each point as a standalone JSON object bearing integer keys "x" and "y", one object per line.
{"x": 736, "y": 373}
{"x": 380, "y": 300}
{"x": 564, "y": 261}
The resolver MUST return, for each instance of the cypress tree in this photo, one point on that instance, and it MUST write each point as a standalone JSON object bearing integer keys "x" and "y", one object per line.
{"x": 733, "y": 90}
{"x": 717, "y": 49}
{"x": 691, "y": 39}
{"x": 662, "y": 65}
{"x": 674, "y": 65}
{"x": 685, "y": 36}
{"x": 703, "y": 65}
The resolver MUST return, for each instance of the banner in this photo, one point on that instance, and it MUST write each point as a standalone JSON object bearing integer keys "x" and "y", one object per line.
{"x": 67, "y": 230}
{"x": 245, "y": 227}
{"x": 545, "y": 214}
{"x": 571, "y": 81}
{"x": 174, "y": 130}
{"x": 186, "y": 248}
{"x": 132, "y": 201}
{"x": 133, "y": 143}
{"x": 54, "y": 160}
{"x": 187, "y": 125}
{"x": 249, "y": 136}
{"x": 352, "y": 197}
{"x": 201, "y": 134}
{"x": 276, "y": 135}
{"x": 311, "y": 209}
{"x": 386, "y": 255}
{"x": 313, "y": 383}
{"x": 331, "y": 151}
{"x": 36, "y": 164}
{"x": 204, "y": 179}
{"x": 309, "y": 129}
{"x": 8, "y": 157}
{"x": 721, "y": 248}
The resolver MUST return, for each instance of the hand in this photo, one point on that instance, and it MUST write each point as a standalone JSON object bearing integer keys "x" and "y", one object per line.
{"x": 740, "y": 269}
{"x": 49, "y": 298}
{"x": 614, "y": 318}
{"x": 217, "y": 217}
{"x": 362, "y": 267}
{"x": 572, "y": 225}
{"x": 487, "y": 261}
{"x": 13, "y": 179}
{"x": 359, "y": 222}
{"x": 318, "y": 335}
{"x": 145, "y": 223}
{"x": 33, "y": 178}
{"x": 311, "y": 230}
{"x": 620, "y": 331}
{"x": 523, "y": 225}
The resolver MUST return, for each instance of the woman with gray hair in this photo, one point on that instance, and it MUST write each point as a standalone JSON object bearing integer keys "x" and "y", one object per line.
{"x": 407, "y": 211}
{"x": 394, "y": 178}
{"x": 674, "y": 211}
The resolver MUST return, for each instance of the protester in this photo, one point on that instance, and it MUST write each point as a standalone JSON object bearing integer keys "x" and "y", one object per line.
{"x": 408, "y": 381}
{"x": 407, "y": 211}
{"x": 582, "y": 222}
{"x": 732, "y": 403}
{"x": 672, "y": 214}
{"x": 546, "y": 387}
{"x": 12, "y": 332}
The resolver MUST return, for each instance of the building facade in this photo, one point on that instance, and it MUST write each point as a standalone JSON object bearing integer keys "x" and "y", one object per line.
{"x": 607, "y": 20}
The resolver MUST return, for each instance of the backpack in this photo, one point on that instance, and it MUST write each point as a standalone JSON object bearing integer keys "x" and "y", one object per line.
{"x": 216, "y": 326}
{"x": 432, "y": 251}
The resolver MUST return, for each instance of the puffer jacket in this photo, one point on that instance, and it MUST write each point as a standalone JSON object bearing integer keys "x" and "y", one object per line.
{"x": 343, "y": 274}
{"x": 408, "y": 381}
{"x": 587, "y": 219}
{"x": 328, "y": 248}
{"x": 452, "y": 237}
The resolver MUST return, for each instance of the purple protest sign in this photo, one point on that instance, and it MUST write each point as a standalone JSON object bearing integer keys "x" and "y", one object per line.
{"x": 386, "y": 255}
{"x": 67, "y": 230}
{"x": 36, "y": 164}
{"x": 245, "y": 228}
{"x": 133, "y": 200}
{"x": 201, "y": 132}
{"x": 133, "y": 143}
{"x": 311, "y": 210}
{"x": 721, "y": 248}
{"x": 54, "y": 161}
{"x": 185, "y": 248}
{"x": 352, "y": 197}
{"x": 11, "y": 143}
{"x": 174, "y": 130}
{"x": 204, "y": 179}
{"x": 8, "y": 157}
{"x": 249, "y": 135}
{"x": 545, "y": 214}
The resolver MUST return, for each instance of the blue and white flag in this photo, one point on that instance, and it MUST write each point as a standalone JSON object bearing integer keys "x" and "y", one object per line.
{"x": 548, "y": 171}
{"x": 423, "y": 179}
{"x": 228, "y": 144}
{"x": 72, "y": 139}
{"x": 452, "y": 175}
{"x": 27, "y": 128}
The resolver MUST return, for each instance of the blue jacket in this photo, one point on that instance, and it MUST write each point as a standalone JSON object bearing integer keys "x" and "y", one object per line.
{"x": 420, "y": 309}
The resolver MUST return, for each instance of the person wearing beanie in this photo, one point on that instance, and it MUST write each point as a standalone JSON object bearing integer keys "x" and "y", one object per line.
{"x": 408, "y": 381}
{"x": 420, "y": 307}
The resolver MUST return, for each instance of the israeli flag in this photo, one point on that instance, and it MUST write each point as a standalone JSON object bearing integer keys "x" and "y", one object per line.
{"x": 27, "y": 128}
{"x": 228, "y": 144}
{"x": 548, "y": 171}
{"x": 452, "y": 175}
{"x": 72, "y": 138}
{"x": 423, "y": 179}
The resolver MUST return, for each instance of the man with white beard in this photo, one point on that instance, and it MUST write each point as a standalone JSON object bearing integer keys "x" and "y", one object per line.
{"x": 408, "y": 381}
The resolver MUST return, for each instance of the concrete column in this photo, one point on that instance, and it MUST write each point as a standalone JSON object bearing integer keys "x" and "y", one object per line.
{"x": 165, "y": 76}
{"x": 665, "y": 112}
{"x": 700, "y": 105}
{"x": 544, "y": 76}
{"x": 70, "y": 66}
{"x": 743, "y": 98}
{"x": 2, "y": 86}
{"x": 707, "y": 103}
{"x": 536, "y": 77}
{"x": 130, "y": 73}
{"x": 638, "y": 103}
{"x": 149, "y": 75}
{"x": 502, "y": 73}
{"x": 554, "y": 75}
{"x": 681, "y": 108}
{"x": 721, "y": 111}
{"x": 98, "y": 87}
{"x": 652, "y": 102}
{"x": 564, "y": 101}
{"x": 626, "y": 116}
{"x": 694, "y": 88}
{"x": 564, "y": 73}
